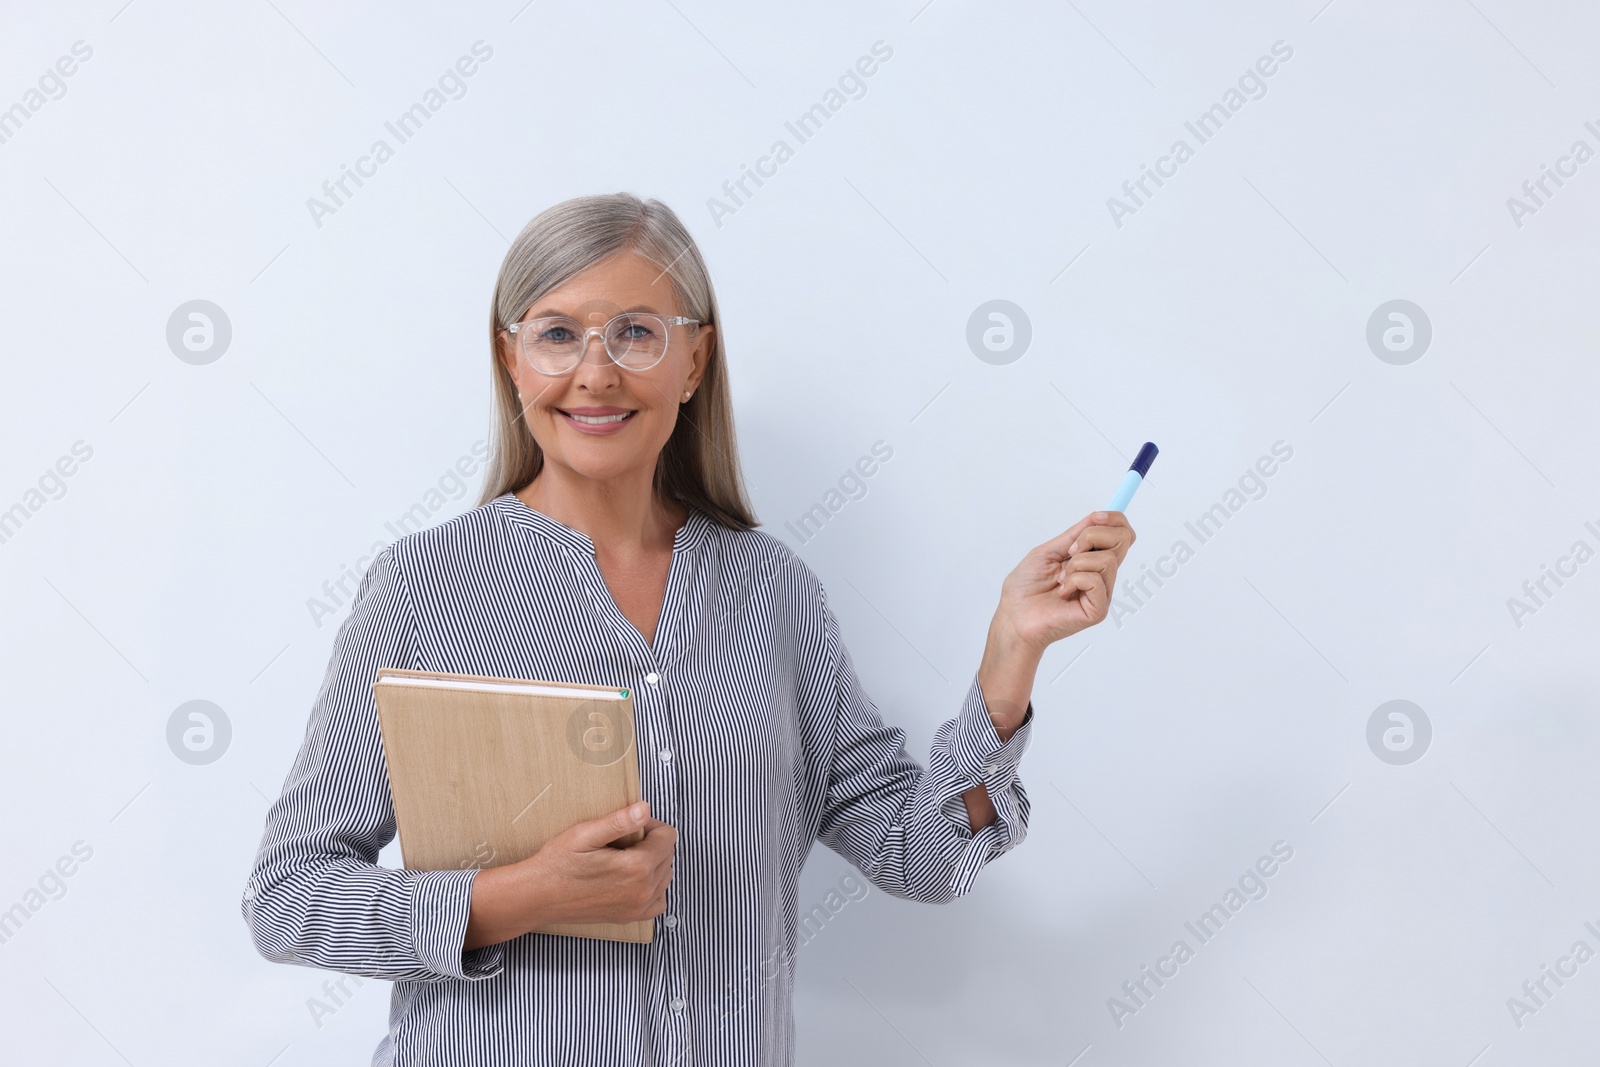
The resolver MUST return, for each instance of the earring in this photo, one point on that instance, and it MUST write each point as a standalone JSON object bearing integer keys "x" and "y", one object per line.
{"x": 686, "y": 396}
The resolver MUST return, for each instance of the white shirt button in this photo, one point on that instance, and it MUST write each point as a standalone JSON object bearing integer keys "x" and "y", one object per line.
{"x": 676, "y": 1003}
{"x": 666, "y": 755}
{"x": 988, "y": 768}
{"x": 652, "y": 677}
{"x": 670, "y": 921}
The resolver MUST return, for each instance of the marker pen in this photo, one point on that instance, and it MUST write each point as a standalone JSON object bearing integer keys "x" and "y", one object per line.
{"x": 1134, "y": 478}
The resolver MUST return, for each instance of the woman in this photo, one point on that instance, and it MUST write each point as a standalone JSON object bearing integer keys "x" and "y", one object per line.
{"x": 614, "y": 545}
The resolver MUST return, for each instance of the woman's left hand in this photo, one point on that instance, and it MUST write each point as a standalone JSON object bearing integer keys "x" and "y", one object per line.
{"x": 1065, "y": 584}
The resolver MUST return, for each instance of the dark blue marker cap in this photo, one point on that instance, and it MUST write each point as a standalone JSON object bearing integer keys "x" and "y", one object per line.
{"x": 1147, "y": 456}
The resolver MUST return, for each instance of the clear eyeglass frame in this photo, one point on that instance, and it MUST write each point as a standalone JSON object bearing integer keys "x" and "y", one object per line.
{"x": 584, "y": 332}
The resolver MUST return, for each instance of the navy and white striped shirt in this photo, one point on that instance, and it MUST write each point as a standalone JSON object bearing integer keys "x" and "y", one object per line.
{"x": 754, "y": 739}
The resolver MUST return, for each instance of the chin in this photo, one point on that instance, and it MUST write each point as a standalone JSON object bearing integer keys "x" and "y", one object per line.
{"x": 601, "y": 460}
{"x": 604, "y": 466}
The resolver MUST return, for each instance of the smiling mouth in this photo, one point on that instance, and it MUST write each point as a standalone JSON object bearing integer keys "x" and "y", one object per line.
{"x": 598, "y": 420}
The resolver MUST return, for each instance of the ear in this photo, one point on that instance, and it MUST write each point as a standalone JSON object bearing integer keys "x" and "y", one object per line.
{"x": 704, "y": 341}
{"x": 506, "y": 351}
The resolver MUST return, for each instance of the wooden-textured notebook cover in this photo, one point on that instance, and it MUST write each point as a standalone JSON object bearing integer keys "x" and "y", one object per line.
{"x": 482, "y": 779}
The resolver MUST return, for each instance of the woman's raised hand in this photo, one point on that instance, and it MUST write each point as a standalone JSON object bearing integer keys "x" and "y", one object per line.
{"x": 1065, "y": 584}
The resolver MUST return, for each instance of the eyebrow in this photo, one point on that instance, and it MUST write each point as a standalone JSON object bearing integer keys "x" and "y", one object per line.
{"x": 551, "y": 313}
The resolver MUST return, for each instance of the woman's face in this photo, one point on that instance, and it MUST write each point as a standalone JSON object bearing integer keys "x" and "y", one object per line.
{"x": 626, "y": 282}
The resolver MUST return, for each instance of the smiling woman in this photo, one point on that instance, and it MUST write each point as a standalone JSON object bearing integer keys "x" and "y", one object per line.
{"x": 585, "y": 261}
{"x": 613, "y": 545}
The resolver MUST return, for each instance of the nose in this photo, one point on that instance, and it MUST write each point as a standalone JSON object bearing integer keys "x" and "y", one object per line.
{"x": 604, "y": 361}
{"x": 596, "y": 333}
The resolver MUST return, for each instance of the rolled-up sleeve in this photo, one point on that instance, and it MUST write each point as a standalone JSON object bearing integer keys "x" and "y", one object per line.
{"x": 316, "y": 895}
{"x": 905, "y": 826}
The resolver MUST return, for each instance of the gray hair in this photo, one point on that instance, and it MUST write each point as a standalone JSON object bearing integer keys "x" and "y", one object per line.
{"x": 699, "y": 464}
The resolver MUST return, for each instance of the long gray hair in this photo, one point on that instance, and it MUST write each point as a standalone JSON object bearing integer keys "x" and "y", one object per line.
{"x": 700, "y": 463}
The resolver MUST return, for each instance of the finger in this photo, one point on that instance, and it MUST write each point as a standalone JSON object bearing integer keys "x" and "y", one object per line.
{"x": 659, "y": 843}
{"x": 1058, "y": 547}
{"x": 598, "y": 833}
{"x": 658, "y": 879}
{"x": 1089, "y": 587}
{"x": 1089, "y": 558}
{"x": 1097, "y": 598}
{"x": 1089, "y": 561}
{"x": 1108, "y": 536}
{"x": 1079, "y": 583}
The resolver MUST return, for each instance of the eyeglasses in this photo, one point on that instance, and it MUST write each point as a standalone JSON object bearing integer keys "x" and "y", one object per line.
{"x": 555, "y": 345}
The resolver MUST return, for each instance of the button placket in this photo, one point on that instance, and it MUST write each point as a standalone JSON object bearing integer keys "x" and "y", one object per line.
{"x": 658, "y": 734}
{"x": 666, "y": 762}
{"x": 653, "y": 724}
{"x": 653, "y": 721}
{"x": 654, "y": 710}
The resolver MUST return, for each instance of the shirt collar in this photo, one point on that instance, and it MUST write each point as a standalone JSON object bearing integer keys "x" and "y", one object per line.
{"x": 687, "y": 538}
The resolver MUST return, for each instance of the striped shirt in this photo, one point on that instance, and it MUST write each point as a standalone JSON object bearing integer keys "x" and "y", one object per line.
{"x": 754, "y": 739}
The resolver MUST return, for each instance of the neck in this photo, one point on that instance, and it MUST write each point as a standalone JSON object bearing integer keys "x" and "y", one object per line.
{"x": 620, "y": 515}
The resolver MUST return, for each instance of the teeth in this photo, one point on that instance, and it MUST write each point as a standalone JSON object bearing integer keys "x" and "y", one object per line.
{"x": 598, "y": 420}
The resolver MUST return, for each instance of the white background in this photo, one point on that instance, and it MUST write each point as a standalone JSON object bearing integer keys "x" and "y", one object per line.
{"x": 1228, "y": 313}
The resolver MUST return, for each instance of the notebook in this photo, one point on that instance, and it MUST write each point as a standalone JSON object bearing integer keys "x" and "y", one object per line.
{"x": 483, "y": 771}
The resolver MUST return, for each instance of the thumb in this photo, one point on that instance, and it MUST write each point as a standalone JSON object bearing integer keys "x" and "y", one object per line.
{"x": 600, "y": 832}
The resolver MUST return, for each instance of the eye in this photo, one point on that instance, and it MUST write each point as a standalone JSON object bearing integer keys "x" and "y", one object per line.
{"x": 556, "y": 334}
{"x": 633, "y": 330}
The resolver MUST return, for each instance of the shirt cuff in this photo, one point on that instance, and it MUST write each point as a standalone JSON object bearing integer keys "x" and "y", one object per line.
{"x": 980, "y": 756}
{"x": 440, "y": 905}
